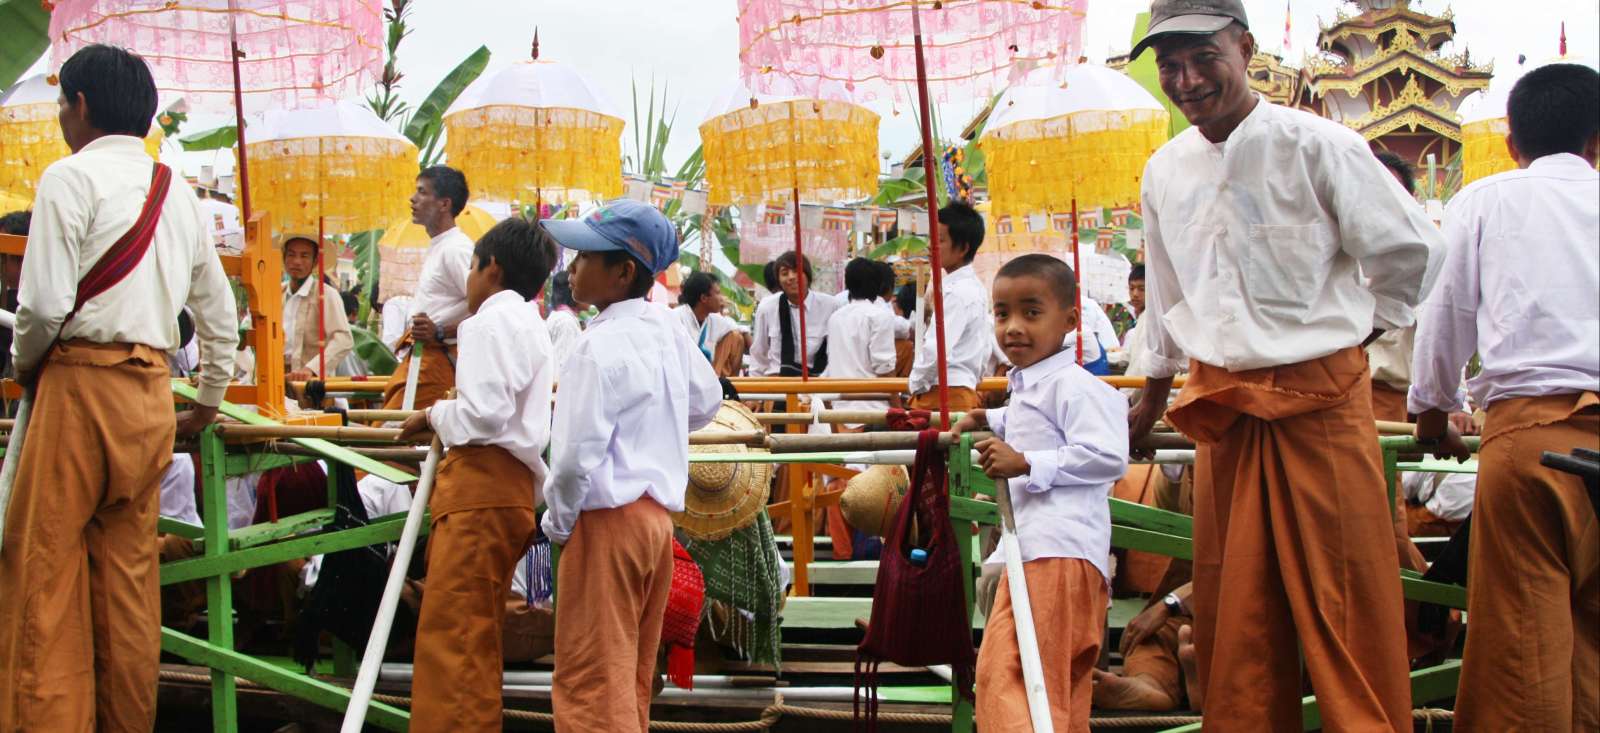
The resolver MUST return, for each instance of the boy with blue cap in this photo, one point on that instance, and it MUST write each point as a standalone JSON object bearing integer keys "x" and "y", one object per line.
{"x": 631, "y": 391}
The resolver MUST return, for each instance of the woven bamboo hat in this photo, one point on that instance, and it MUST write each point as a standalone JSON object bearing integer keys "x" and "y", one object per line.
{"x": 872, "y": 497}
{"x": 723, "y": 497}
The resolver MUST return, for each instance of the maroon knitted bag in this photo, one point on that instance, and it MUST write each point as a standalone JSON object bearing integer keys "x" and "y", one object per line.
{"x": 919, "y": 612}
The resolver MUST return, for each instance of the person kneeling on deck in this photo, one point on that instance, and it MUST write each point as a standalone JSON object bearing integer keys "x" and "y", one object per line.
{"x": 495, "y": 429}
{"x": 630, "y": 393}
{"x": 1521, "y": 288}
{"x": 441, "y": 298}
{"x": 1062, "y": 442}
{"x": 117, "y": 248}
{"x": 967, "y": 337}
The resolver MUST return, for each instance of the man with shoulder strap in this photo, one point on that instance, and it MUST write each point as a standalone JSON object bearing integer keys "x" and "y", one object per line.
{"x": 117, "y": 249}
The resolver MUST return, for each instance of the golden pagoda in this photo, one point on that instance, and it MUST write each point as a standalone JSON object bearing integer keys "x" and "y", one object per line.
{"x": 1383, "y": 73}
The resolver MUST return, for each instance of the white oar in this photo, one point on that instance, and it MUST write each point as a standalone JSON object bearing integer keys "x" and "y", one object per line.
{"x": 8, "y": 473}
{"x": 413, "y": 370}
{"x": 378, "y": 640}
{"x": 1022, "y": 615}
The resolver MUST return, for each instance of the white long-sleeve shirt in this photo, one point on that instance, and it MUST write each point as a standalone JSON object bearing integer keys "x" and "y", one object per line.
{"x": 564, "y": 332}
{"x": 396, "y": 319}
{"x": 1521, "y": 287}
{"x": 442, "y": 285}
{"x": 861, "y": 347}
{"x": 632, "y": 391}
{"x": 968, "y": 334}
{"x": 902, "y": 325}
{"x": 504, "y": 375}
{"x": 707, "y": 334}
{"x": 85, "y": 203}
{"x": 766, "y": 347}
{"x": 1255, "y": 247}
{"x": 1073, "y": 430}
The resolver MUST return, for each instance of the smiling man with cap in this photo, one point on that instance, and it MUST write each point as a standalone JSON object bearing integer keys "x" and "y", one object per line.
{"x": 1276, "y": 246}
{"x": 631, "y": 391}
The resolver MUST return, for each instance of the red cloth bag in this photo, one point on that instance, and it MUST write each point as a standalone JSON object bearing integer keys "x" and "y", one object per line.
{"x": 682, "y": 621}
{"x": 919, "y": 612}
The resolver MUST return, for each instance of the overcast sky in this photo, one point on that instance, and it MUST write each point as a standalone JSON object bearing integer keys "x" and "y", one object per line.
{"x": 690, "y": 47}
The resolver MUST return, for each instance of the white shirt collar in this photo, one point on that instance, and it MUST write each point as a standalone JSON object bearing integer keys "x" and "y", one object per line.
{"x": 1561, "y": 160}
{"x": 503, "y": 299}
{"x": 1037, "y": 371}
{"x": 304, "y": 290}
{"x": 620, "y": 309}
{"x": 117, "y": 143}
{"x": 443, "y": 235}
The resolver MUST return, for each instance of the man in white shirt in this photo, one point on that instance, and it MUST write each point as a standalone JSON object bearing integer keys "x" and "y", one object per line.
{"x": 311, "y": 348}
{"x": 1521, "y": 288}
{"x": 80, "y": 619}
{"x": 562, "y": 321}
{"x": 1260, "y": 223}
{"x": 863, "y": 334}
{"x": 715, "y": 335}
{"x": 771, "y": 354}
{"x": 968, "y": 337}
{"x": 440, "y": 302}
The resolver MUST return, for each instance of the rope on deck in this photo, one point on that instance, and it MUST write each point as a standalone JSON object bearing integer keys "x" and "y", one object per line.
{"x": 772, "y": 714}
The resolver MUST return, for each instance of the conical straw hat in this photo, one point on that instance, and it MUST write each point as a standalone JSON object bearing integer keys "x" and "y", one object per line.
{"x": 723, "y": 497}
{"x": 872, "y": 497}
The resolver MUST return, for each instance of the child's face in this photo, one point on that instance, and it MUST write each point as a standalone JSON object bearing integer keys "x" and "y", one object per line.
{"x": 1136, "y": 295}
{"x": 1030, "y": 319}
{"x": 299, "y": 258}
{"x": 597, "y": 283}
{"x": 482, "y": 282}
{"x": 952, "y": 256}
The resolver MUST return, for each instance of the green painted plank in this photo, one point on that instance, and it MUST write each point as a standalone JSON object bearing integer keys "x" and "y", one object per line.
{"x": 168, "y": 525}
{"x": 241, "y": 464}
{"x": 1145, "y": 540}
{"x": 1444, "y": 594}
{"x": 386, "y": 530}
{"x": 322, "y": 447}
{"x": 230, "y": 664}
{"x": 1434, "y": 465}
{"x": 260, "y": 534}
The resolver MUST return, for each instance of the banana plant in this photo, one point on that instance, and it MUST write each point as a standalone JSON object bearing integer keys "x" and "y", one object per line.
{"x": 385, "y": 101}
{"x": 427, "y": 120}
{"x": 26, "y": 23}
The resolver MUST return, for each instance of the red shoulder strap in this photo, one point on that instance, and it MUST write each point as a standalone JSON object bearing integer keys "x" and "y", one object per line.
{"x": 129, "y": 250}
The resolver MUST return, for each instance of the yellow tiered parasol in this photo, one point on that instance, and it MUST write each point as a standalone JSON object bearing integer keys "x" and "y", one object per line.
{"x": 337, "y": 169}
{"x": 405, "y": 244}
{"x": 30, "y": 136}
{"x": 1484, "y": 129}
{"x": 535, "y": 132}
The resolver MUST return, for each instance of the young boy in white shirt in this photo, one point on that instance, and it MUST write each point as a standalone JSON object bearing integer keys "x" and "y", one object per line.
{"x": 630, "y": 393}
{"x": 486, "y": 487}
{"x": 968, "y": 343}
{"x": 1060, "y": 444}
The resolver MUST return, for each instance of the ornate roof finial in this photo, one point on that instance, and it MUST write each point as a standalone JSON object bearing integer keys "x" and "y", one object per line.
{"x": 536, "y": 43}
{"x": 1563, "y": 39}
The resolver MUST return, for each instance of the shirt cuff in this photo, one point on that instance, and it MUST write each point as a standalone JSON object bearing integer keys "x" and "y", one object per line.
{"x": 996, "y": 418}
{"x": 1391, "y": 315}
{"x": 548, "y": 525}
{"x": 210, "y": 395}
{"x": 1420, "y": 400}
{"x": 1161, "y": 367}
{"x": 1041, "y": 470}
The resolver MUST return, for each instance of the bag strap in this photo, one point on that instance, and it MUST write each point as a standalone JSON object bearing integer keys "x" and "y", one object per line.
{"x": 128, "y": 251}
{"x": 927, "y": 441}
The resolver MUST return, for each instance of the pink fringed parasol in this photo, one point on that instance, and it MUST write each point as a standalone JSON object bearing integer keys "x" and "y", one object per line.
{"x": 976, "y": 46}
{"x": 295, "y": 52}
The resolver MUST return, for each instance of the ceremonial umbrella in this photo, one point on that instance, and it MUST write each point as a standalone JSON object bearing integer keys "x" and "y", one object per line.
{"x": 333, "y": 169}
{"x": 782, "y": 147}
{"x": 30, "y": 136}
{"x": 535, "y": 132}
{"x": 405, "y": 244}
{"x": 1084, "y": 140}
{"x": 1484, "y": 129}
{"x": 873, "y": 47}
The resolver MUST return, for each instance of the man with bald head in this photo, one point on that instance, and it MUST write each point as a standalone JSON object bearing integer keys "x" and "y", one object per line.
{"x": 1277, "y": 245}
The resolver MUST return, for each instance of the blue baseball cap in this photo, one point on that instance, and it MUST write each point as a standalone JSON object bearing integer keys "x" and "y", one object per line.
{"x": 621, "y": 225}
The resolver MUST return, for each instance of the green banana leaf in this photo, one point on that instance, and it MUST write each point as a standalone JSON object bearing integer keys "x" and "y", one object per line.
{"x": 215, "y": 138}
{"x": 365, "y": 247}
{"x": 26, "y": 38}
{"x": 373, "y": 352}
{"x": 427, "y": 122}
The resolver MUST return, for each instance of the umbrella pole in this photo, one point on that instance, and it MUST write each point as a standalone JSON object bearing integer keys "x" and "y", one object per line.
{"x": 378, "y": 640}
{"x": 805, "y": 287}
{"x": 238, "y": 112}
{"x": 933, "y": 219}
{"x": 322, "y": 302}
{"x": 1077, "y": 273}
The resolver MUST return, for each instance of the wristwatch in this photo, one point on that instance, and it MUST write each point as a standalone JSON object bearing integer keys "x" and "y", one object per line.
{"x": 1174, "y": 605}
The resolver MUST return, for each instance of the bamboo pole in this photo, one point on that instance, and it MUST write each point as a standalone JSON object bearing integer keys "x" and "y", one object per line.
{"x": 756, "y": 438}
{"x": 1022, "y": 613}
{"x": 907, "y": 440}
{"x": 376, "y": 415}
{"x": 325, "y": 432}
{"x": 793, "y": 385}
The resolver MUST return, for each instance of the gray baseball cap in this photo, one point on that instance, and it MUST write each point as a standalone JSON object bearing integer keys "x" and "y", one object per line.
{"x": 1199, "y": 17}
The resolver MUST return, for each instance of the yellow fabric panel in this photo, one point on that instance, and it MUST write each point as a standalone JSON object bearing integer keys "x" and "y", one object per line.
{"x": 30, "y": 140}
{"x": 353, "y": 183}
{"x": 828, "y": 149}
{"x": 1095, "y": 156}
{"x": 1483, "y": 149}
{"x": 528, "y": 154}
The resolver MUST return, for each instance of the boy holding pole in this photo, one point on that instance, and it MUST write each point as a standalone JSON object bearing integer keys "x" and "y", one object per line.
{"x": 1060, "y": 444}
{"x": 495, "y": 430}
{"x": 630, "y": 393}
{"x": 966, "y": 317}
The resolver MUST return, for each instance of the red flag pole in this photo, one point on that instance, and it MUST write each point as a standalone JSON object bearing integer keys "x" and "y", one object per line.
{"x": 322, "y": 328}
{"x": 933, "y": 218}
{"x": 238, "y": 112}
{"x": 800, "y": 274}
{"x": 1077, "y": 274}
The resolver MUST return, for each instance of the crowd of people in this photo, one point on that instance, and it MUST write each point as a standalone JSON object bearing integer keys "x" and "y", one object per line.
{"x": 1288, "y": 274}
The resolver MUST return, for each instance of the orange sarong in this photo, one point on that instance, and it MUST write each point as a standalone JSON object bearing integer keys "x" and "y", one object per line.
{"x": 1388, "y": 403}
{"x": 728, "y": 358}
{"x": 1294, "y": 553}
{"x": 80, "y": 609}
{"x": 435, "y": 378}
{"x": 611, "y": 592}
{"x": 483, "y": 522}
{"x": 962, "y": 399}
{"x": 1068, "y": 596}
{"x": 1533, "y": 574}
{"x": 905, "y": 354}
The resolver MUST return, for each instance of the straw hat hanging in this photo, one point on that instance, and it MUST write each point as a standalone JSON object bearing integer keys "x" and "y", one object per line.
{"x": 872, "y": 497}
{"x": 723, "y": 497}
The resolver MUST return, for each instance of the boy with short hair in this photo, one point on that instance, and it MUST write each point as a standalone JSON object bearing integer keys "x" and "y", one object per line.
{"x": 1521, "y": 288}
{"x": 863, "y": 333}
{"x": 486, "y": 487}
{"x": 715, "y": 335}
{"x": 968, "y": 343}
{"x": 774, "y": 347}
{"x": 632, "y": 390}
{"x": 1061, "y": 443}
